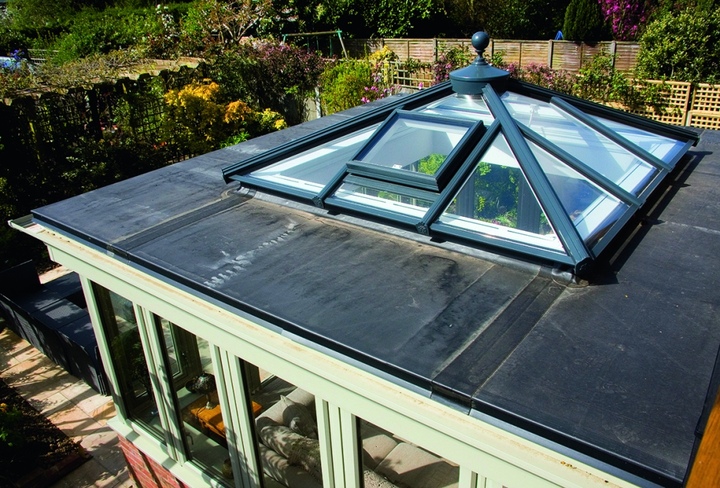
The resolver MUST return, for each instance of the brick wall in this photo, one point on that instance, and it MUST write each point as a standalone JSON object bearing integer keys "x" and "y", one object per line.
{"x": 146, "y": 472}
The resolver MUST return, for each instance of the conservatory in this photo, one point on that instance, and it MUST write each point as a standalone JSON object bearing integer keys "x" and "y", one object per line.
{"x": 484, "y": 283}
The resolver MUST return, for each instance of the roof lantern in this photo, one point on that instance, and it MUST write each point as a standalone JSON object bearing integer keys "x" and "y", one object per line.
{"x": 484, "y": 160}
{"x": 471, "y": 79}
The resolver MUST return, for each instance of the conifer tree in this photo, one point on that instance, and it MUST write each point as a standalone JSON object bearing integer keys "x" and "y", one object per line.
{"x": 583, "y": 21}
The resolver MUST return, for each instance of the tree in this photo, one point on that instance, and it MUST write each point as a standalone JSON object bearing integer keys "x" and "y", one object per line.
{"x": 525, "y": 19}
{"x": 583, "y": 21}
{"x": 683, "y": 46}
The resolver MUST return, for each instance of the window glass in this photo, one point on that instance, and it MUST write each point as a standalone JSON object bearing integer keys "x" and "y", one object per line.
{"x": 128, "y": 359}
{"x": 591, "y": 209}
{"x": 389, "y": 458}
{"x": 313, "y": 169}
{"x": 195, "y": 390}
{"x": 413, "y": 144}
{"x": 497, "y": 200}
{"x": 395, "y": 199}
{"x": 286, "y": 430}
{"x": 461, "y": 106}
{"x": 663, "y": 148}
{"x": 582, "y": 142}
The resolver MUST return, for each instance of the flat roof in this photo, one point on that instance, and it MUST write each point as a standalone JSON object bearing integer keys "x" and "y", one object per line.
{"x": 618, "y": 368}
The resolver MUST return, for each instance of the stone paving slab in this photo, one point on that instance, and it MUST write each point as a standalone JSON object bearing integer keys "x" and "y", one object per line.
{"x": 72, "y": 406}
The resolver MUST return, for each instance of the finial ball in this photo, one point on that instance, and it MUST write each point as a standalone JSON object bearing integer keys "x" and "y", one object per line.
{"x": 480, "y": 41}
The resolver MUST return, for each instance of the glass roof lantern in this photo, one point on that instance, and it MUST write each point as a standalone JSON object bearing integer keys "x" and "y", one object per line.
{"x": 483, "y": 159}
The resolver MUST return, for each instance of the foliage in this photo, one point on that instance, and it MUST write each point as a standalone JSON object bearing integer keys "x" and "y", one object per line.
{"x": 541, "y": 74}
{"x": 683, "y": 46}
{"x": 93, "y": 32}
{"x": 11, "y": 436}
{"x": 223, "y": 23}
{"x": 198, "y": 121}
{"x": 268, "y": 74}
{"x": 382, "y": 75}
{"x": 583, "y": 21}
{"x": 342, "y": 84}
{"x": 449, "y": 60}
{"x": 524, "y": 19}
{"x": 625, "y": 17}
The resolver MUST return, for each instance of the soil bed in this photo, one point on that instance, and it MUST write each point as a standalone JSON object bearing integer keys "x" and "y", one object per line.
{"x": 41, "y": 453}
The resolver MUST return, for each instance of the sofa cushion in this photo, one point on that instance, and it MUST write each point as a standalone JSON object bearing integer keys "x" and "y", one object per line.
{"x": 297, "y": 449}
{"x": 297, "y": 396}
{"x": 299, "y": 418}
{"x": 376, "y": 443}
{"x": 408, "y": 465}
{"x": 278, "y": 468}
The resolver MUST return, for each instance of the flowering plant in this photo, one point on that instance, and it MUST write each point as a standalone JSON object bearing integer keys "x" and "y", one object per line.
{"x": 625, "y": 17}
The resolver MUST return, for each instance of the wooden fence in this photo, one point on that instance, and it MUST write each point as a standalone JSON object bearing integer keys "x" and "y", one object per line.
{"x": 563, "y": 55}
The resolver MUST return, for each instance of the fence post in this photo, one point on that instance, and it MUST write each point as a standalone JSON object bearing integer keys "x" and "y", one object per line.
{"x": 613, "y": 51}
{"x": 551, "y": 49}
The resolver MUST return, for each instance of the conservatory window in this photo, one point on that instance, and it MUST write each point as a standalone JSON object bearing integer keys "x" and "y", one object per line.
{"x": 591, "y": 209}
{"x": 386, "y": 456}
{"x": 194, "y": 390}
{"x": 128, "y": 359}
{"x": 286, "y": 431}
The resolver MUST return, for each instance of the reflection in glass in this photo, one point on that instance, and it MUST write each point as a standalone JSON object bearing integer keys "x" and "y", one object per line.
{"x": 461, "y": 106}
{"x": 126, "y": 354}
{"x": 663, "y": 148}
{"x": 312, "y": 169}
{"x": 193, "y": 380}
{"x": 394, "y": 200}
{"x": 286, "y": 430}
{"x": 386, "y": 456}
{"x": 497, "y": 200}
{"x": 412, "y": 144}
{"x": 591, "y": 209}
{"x": 597, "y": 151}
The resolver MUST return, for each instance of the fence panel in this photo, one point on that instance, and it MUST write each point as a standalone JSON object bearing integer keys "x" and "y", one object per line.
{"x": 676, "y": 98}
{"x": 626, "y": 54}
{"x": 565, "y": 55}
{"x": 705, "y": 108}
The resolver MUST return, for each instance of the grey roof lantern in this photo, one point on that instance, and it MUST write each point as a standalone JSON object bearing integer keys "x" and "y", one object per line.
{"x": 486, "y": 160}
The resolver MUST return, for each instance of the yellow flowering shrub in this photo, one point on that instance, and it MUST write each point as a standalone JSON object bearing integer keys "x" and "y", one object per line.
{"x": 196, "y": 120}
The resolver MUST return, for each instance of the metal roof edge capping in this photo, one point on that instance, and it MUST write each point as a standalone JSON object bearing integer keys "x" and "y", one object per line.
{"x": 483, "y": 160}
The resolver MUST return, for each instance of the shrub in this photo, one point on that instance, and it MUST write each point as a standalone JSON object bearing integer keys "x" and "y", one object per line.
{"x": 269, "y": 74}
{"x": 625, "y": 17}
{"x": 342, "y": 84}
{"x": 449, "y": 60}
{"x": 683, "y": 46}
{"x": 196, "y": 120}
{"x": 583, "y": 21}
{"x": 11, "y": 437}
{"x": 93, "y": 32}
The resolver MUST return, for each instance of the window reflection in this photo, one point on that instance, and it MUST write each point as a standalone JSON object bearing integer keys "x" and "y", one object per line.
{"x": 393, "y": 199}
{"x": 389, "y": 460}
{"x": 412, "y": 144}
{"x": 497, "y": 200}
{"x": 128, "y": 359}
